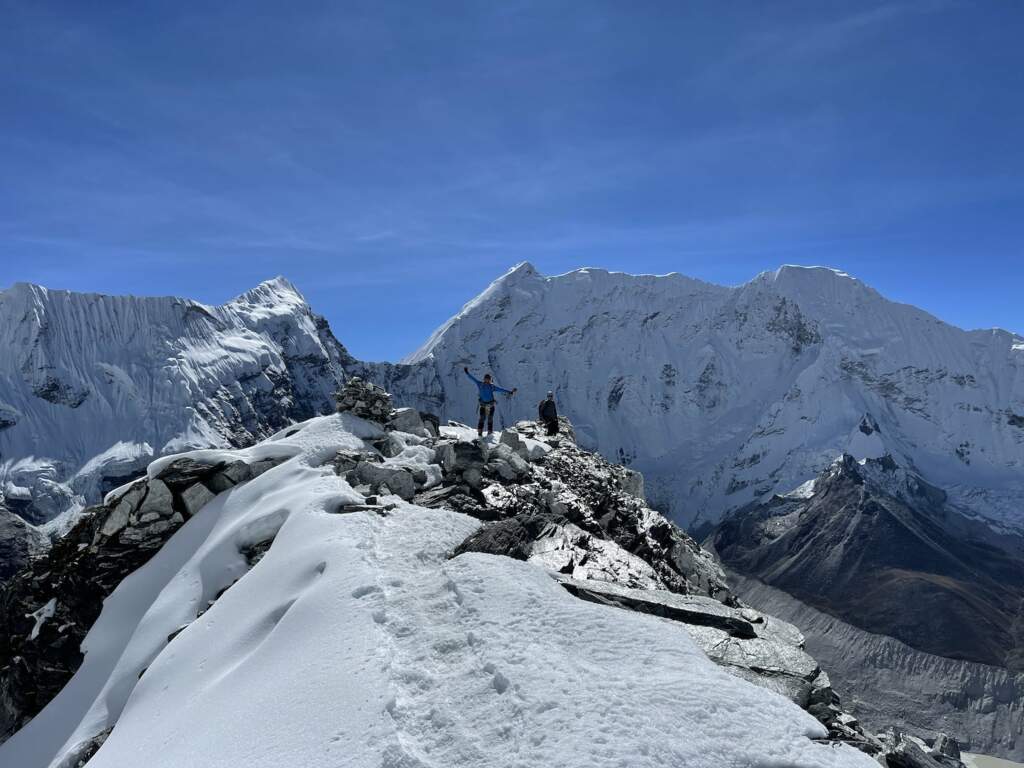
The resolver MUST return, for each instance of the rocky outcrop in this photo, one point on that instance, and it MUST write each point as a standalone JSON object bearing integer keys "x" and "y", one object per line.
{"x": 47, "y": 608}
{"x": 574, "y": 503}
{"x": 19, "y": 541}
{"x": 880, "y": 548}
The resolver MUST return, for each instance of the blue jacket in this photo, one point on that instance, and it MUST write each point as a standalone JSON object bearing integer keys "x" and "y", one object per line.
{"x": 487, "y": 390}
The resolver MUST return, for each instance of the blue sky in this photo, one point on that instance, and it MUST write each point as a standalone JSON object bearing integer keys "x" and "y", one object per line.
{"x": 415, "y": 150}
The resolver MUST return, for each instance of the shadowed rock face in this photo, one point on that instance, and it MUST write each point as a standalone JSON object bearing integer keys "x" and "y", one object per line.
{"x": 18, "y": 541}
{"x": 879, "y": 548}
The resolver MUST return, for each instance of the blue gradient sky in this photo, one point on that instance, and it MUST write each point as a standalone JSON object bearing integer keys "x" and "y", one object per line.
{"x": 393, "y": 158}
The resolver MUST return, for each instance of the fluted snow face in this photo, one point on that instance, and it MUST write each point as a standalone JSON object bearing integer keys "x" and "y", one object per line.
{"x": 725, "y": 395}
{"x": 104, "y": 383}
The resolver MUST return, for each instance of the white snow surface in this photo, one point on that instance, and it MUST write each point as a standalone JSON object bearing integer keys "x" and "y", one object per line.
{"x": 355, "y": 641}
{"x": 721, "y": 396}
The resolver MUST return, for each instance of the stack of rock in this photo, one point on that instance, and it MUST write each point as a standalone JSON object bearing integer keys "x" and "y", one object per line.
{"x": 364, "y": 399}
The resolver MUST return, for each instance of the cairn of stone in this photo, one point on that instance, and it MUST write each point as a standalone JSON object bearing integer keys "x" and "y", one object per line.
{"x": 364, "y": 399}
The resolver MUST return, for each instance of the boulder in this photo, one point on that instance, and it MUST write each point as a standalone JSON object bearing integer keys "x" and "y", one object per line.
{"x": 444, "y": 456}
{"x": 946, "y": 745}
{"x": 158, "y": 499}
{"x": 257, "y": 468}
{"x": 431, "y": 423}
{"x": 407, "y": 420}
{"x": 397, "y": 480}
{"x": 124, "y": 504}
{"x": 507, "y": 464}
{"x": 468, "y": 455}
{"x": 184, "y": 472}
{"x": 195, "y": 498}
{"x": 633, "y": 484}
{"x": 228, "y": 477}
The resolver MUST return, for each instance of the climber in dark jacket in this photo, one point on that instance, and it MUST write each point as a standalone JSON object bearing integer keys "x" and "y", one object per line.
{"x": 547, "y": 413}
{"x": 487, "y": 388}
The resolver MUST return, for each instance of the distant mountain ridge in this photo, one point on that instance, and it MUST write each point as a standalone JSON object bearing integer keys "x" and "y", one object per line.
{"x": 723, "y": 396}
{"x": 93, "y": 387}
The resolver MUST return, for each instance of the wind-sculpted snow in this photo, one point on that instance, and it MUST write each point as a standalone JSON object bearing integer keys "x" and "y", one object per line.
{"x": 94, "y": 387}
{"x": 722, "y": 395}
{"x": 357, "y": 639}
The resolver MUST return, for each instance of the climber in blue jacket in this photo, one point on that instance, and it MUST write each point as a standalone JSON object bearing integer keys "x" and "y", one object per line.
{"x": 487, "y": 388}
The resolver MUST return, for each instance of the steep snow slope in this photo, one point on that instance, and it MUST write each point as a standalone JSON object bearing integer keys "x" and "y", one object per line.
{"x": 725, "y": 395}
{"x": 93, "y": 387}
{"x": 356, "y": 640}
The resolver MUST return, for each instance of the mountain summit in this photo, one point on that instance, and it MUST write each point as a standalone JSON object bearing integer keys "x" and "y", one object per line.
{"x": 724, "y": 396}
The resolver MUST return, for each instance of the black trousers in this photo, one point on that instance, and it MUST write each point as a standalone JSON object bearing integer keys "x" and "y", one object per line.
{"x": 552, "y": 425}
{"x": 486, "y": 412}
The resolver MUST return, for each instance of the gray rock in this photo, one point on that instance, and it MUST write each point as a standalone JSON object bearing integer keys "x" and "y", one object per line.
{"x": 183, "y": 472}
{"x": 388, "y": 445}
{"x": 126, "y": 503}
{"x": 688, "y": 609}
{"x": 431, "y": 423}
{"x": 633, "y": 484}
{"x": 444, "y": 456}
{"x": 946, "y": 745}
{"x": 507, "y": 464}
{"x": 195, "y": 498}
{"x": 468, "y": 456}
{"x": 257, "y": 468}
{"x": 19, "y": 541}
{"x": 473, "y": 478}
{"x": 397, "y": 480}
{"x": 228, "y": 477}
{"x": 407, "y": 420}
{"x": 158, "y": 499}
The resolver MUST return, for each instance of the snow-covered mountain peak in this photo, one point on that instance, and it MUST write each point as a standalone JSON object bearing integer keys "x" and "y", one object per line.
{"x": 274, "y": 292}
{"x": 722, "y": 396}
{"x": 84, "y": 375}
